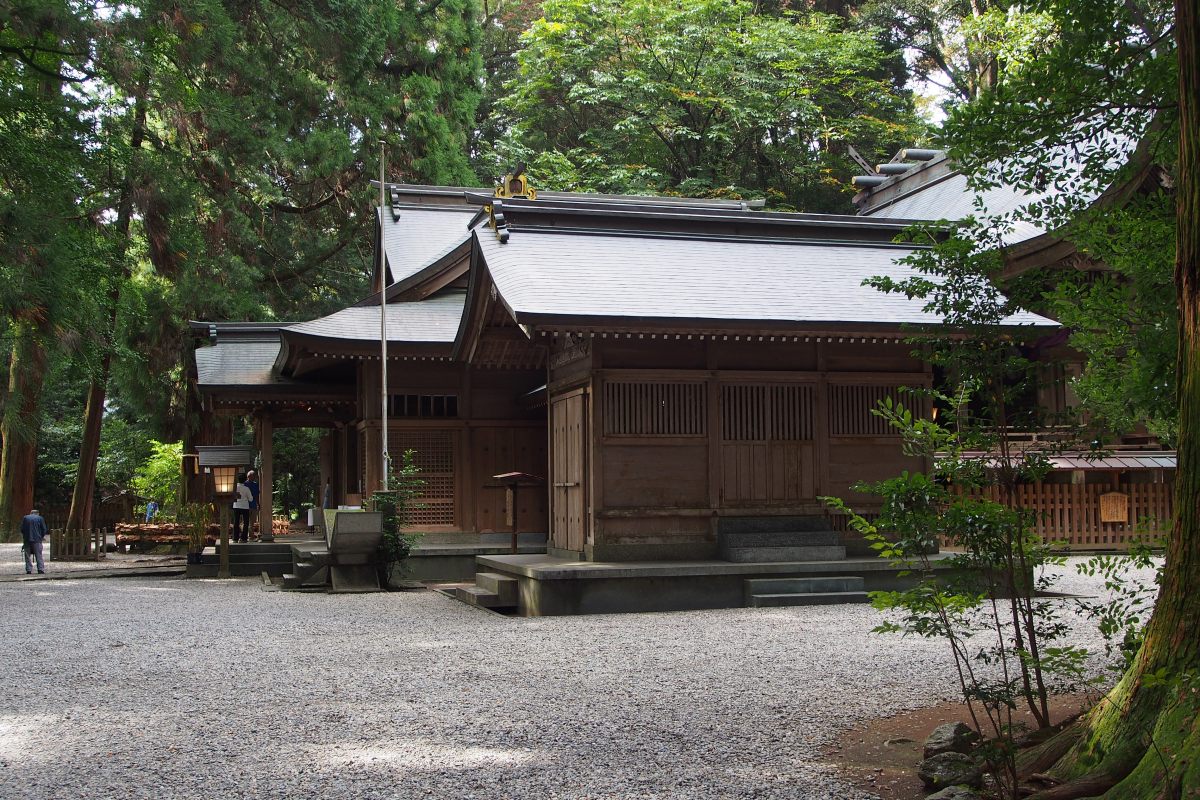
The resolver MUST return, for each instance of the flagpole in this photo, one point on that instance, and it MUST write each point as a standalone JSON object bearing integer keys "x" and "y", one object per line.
{"x": 383, "y": 383}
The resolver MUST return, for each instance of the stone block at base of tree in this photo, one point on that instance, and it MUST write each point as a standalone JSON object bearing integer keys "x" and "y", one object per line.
{"x": 950, "y": 769}
{"x": 955, "y": 793}
{"x": 952, "y": 737}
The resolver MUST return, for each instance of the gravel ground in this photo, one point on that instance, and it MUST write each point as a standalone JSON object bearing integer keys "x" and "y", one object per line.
{"x": 12, "y": 561}
{"x": 164, "y": 688}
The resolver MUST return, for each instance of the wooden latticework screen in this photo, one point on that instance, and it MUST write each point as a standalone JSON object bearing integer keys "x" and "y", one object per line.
{"x": 640, "y": 408}
{"x": 760, "y": 412}
{"x": 434, "y": 455}
{"x": 850, "y": 407}
{"x": 766, "y": 443}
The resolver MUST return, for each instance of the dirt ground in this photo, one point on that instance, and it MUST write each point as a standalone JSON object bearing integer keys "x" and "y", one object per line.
{"x": 882, "y": 756}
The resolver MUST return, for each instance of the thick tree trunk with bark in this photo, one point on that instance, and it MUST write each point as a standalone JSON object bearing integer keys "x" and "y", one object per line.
{"x": 19, "y": 428}
{"x": 82, "y": 497}
{"x": 1143, "y": 741}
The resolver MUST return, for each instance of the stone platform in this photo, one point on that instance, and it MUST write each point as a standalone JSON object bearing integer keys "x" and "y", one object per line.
{"x": 550, "y": 586}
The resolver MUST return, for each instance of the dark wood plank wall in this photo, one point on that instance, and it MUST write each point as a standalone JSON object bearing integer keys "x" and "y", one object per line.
{"x": 731, "y": 428}
{"x": 493, "y": 432}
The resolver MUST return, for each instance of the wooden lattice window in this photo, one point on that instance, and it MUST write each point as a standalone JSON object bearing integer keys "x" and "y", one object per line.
{"x": 850, "y": 407}
{"x": 433, "y": 453}
{"x": 423, "y": 405}
{"x": 761, "y": 412}
{"x": 640, "y": 408}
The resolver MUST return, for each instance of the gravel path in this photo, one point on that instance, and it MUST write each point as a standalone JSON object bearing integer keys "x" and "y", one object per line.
{"x": 12, "y": 562}
{"x": 164, "y": 688}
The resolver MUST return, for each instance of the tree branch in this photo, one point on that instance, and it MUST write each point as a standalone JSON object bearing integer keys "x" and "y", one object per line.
{"x": 27, "y": 59}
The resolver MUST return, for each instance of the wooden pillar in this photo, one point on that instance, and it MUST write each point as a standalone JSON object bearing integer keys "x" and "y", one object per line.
{"x": 328, "y": 452}
{"x": 372, "y": 478}
{"x": 266, "y": 435}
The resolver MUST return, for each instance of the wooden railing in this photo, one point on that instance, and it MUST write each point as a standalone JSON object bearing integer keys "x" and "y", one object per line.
{"x": 76, "y": 545}
{"x": 1071, "y": 513}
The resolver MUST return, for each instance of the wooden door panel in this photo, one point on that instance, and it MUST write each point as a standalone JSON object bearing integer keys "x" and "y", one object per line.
{"x": 767, "y": 452}
{"x": 568, "y": 479}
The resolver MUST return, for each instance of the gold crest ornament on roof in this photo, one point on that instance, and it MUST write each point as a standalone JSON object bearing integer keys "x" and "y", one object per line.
{"x": 514, "y": 185}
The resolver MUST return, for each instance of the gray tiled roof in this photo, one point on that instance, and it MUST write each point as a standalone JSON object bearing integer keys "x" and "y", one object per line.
{"x": 557, "y": 274}
{"x": 432, "y": 320}
{"x": 952, "y": 199}
{"x": 238, "y": 362}
{"x": 420, "y": 236}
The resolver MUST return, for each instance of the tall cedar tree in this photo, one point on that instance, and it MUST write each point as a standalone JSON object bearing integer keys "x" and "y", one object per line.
{"x": 235, "y": 143}
{"x": 47, "y": 246}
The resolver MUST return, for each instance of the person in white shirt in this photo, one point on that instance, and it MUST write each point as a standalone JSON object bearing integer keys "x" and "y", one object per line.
{"x": 242, "y": 499}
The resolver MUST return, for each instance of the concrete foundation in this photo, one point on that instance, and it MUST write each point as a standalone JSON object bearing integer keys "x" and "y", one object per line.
{"x": 549, "y": 586}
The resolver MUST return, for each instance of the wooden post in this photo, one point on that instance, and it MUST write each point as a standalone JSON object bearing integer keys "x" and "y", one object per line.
{"x": 223, "y": 567}
{"x": 510, "y": 512}
{"x": 266, "y": 431}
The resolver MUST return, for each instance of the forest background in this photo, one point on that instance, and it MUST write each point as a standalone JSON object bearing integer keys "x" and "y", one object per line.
{"x": 168, "y": 161}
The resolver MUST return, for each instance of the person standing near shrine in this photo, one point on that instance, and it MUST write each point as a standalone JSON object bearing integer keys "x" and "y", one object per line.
{"x": 241, "y": 510}
{"x": 33, "y": 532}
{"x": 252, "y": 485}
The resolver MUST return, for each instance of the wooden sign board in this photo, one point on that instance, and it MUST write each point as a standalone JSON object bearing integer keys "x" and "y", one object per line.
{"x": 1114, "y": 507}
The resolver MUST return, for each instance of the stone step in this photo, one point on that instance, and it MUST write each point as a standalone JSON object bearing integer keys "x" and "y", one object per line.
{"x": 248, "y": 560}
{"x": 825, "y": 538}
{"x": 775, "y": 555}
{"x": 810, "y": 522}
{"x": 478, "y": 596}
{"x": 293, "y": 583}
{"x": 816, "y": 584}
{"x": 806, "y": 599}
{"x": 503, "y": 586}
{"x": 280, "y": 548}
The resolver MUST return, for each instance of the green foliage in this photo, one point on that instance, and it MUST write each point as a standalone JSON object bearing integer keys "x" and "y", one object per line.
{"x": 700, "y": 97}
{"x": 991, "y": 608}
{"x": 986, "y": 600}
{"x": 1112, "y": 124}
{"x": 159, "y": 477}
{"x": 297, "y": 475}
{"x": 1122, "y": 616}
{"x": 963, "y": 48}
{"x": 123, "y": 446}
{"x": 397, "y": 505}
{"x": 195, "y": 518}
{"x": 1125, "y": 321}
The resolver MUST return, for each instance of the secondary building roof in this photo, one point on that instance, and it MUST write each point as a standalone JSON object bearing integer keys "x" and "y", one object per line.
{"x": 432, "y": 320}
{"x": 242, "y": 361}
{"x": 415, "y": 236}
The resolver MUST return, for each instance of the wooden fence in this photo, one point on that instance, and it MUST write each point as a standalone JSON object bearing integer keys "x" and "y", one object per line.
{"x": 1071, "y": 513}
{"x": 77, "y": 545}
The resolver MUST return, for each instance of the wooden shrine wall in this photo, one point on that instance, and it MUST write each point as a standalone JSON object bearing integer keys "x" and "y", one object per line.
{"x": 729, "y": 429}
{"x": 491, "y": 431}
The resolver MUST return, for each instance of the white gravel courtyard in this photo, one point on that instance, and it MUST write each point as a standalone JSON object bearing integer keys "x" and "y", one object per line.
{"x": 164, "y": 688}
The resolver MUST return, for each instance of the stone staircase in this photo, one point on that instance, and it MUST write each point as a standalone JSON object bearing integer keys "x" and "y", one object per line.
{"x": 252, "y": 558}
{"x": 778, "y": 539}
{"x": 308, "y": 568}
{"x": 816, "y": 591}
{"x": 491, "y": 590}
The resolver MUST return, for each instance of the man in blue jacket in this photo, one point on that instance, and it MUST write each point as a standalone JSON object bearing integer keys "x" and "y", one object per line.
{"x": 33, "y": 531}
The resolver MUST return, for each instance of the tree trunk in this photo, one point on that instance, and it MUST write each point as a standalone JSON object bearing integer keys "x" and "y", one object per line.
{"x": 19, "y": 428}
{"x": 80, "y": 516}
{"x": 1144, "y": 739}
